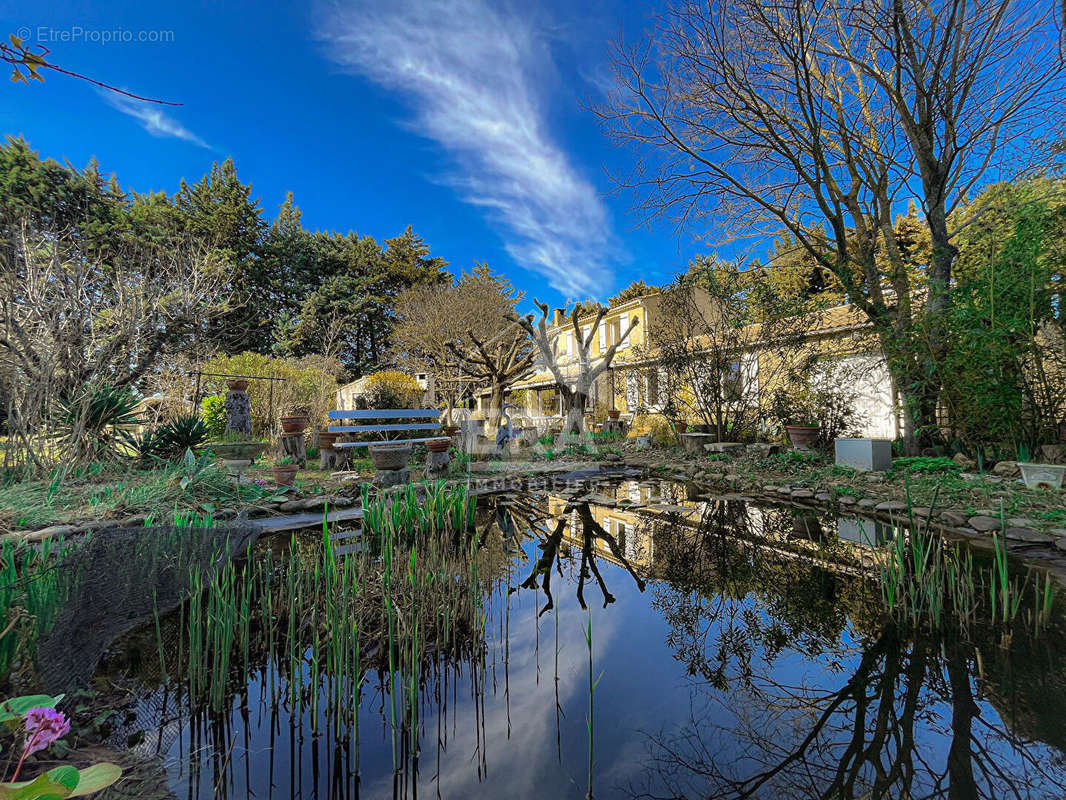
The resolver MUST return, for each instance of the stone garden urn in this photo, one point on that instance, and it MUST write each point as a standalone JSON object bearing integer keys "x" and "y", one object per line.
{"x": 390, "y": 456}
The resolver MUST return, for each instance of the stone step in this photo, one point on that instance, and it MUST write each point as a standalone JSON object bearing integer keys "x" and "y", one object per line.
{"x": 310, "y": 519}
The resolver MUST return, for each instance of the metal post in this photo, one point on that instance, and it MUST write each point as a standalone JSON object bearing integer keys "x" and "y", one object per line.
{"x": 270, "y": 405}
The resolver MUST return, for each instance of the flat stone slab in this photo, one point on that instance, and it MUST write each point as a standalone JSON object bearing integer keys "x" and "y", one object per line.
{"x": 1028, "y": 535}
{"x": 891, "y": 505}
{"x": 983, "y": 523}
{"x": 295, "y": 522}
{"x": 723, "y": 447}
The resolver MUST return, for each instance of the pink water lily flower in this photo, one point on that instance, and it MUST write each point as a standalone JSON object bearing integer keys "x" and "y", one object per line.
{"x": 43, "y": 727}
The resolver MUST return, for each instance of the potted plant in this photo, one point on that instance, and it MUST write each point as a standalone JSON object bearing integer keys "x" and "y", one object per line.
{"x": 440, "y": 445}
{"x": 238, "y": 384}
{"x": 803, "y": 433}
{"x": 296, "y": 418}
{"x": 613, "y": 413}
{"x": 285, "y": 470}
{"x": 326, "y": 439}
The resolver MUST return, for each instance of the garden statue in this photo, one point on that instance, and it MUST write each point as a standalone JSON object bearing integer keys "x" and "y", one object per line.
{"x": 504, "y": 434}
{"x": 239, "y": 410}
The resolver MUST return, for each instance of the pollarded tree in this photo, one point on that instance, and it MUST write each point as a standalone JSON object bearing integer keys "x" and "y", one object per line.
{"x": 498, "y": 362}
{"x": 575, "y": 380}
{"x": 434, "y": 318}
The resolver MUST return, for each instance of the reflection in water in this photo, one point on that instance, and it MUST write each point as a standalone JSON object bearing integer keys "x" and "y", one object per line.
{"x": 744, "y": 653}
{"x": 906, "y": 714}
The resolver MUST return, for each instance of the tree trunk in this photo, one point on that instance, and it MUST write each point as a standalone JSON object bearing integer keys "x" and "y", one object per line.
{"x": 574, "y": 404}
{"x": 961, "y": 782}
{"x": 919, "y": 391}
{"x": 495, "y": 408}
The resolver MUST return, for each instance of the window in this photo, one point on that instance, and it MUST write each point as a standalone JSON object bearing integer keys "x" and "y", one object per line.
{"x": 732, "y": 382}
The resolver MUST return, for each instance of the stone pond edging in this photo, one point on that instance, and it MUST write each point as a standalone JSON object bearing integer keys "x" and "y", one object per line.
{"x": 1043, "y": 549}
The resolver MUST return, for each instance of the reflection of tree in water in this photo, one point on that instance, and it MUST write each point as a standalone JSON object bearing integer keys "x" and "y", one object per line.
{"x": 553, "y": 548}
{"x": 907, "y": 715}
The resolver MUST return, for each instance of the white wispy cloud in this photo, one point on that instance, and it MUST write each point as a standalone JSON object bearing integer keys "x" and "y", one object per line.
{"x": 471, "y": 69}
{"x": 153, "y": 118}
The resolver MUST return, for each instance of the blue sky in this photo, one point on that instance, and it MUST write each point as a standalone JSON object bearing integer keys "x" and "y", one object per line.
{"x": 462, "y": 118}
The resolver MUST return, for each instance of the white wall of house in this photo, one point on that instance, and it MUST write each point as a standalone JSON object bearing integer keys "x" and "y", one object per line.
{"x": 868, "y": 377}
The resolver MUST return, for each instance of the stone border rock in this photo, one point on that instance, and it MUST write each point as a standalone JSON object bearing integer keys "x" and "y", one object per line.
{"x": 226, "y": 514}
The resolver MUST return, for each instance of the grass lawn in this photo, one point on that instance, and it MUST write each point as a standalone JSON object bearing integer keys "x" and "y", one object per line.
{"x": 114, "y": 491}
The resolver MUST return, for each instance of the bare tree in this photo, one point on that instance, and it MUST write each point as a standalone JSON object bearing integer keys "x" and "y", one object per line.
{"x": 499, "y": 362}
{"x": 575, "y": 385}
{"x": 822, "y": 119}
{"x": 435, "y": 319}
{"x": 71, "y": 324}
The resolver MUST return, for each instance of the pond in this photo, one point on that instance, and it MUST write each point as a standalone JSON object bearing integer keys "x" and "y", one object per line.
{"x": 622, "y": 639}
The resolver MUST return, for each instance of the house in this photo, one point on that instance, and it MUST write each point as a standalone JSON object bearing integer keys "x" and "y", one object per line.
{"x": 540, "y": 400}
{"x": 841, "y": 340}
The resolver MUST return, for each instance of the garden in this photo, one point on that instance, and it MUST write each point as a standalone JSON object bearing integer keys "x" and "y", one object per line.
{"x": 289, "y": 512}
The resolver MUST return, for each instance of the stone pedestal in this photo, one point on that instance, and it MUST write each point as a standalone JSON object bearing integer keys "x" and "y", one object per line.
{"x": 384, "y": 478}
{"x": 437, "y": 464}
{"x": 330, "y": 459}
{"x": 236, "y": 467}
{"x": 238, "y": 407}
{"x": 469, "y": 431}
{"x": 694, "y": 442}
{"x": 292, "y": 445}
{"x": 865, "y": 455}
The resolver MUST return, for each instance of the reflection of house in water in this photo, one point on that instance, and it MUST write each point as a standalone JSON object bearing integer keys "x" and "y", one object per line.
{"x": 633, "y": 512}
{"x": 623, "y": 525}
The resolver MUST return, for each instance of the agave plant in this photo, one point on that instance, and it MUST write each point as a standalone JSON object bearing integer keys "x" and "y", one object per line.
{"x": 187, "y": 432}
{"x": 94, "y": 423}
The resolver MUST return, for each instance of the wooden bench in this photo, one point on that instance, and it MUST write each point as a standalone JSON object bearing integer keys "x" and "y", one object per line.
{"x": 430, "y": 417}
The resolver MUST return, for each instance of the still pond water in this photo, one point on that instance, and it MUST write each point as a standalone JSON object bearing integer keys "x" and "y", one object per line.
{"x": 736, "y": 651}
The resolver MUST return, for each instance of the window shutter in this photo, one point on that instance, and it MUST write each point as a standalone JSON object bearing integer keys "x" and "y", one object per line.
{"x": 570, "y": 343}
{"x": 623, "y": 325}
{"x": 632, "y": 395}
{"x": 585, "y": 335}
{"x": 603, "y": 337}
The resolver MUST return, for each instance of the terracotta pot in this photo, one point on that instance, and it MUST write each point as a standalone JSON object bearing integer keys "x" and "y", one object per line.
{"x": 438, "y": 445}
{"x": 390, "y": 456}
{"x": 327, "y": 440}
{"x": 238, "y": 385}
{"x": 614, "y": 413}
{"x": 294, "y": 424}
{"x": 285, "y": 474}
{"x": 802, "y": 436}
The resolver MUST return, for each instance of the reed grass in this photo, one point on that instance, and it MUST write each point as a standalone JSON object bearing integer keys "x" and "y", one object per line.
{"x": 316, "y": 624}
{"x": 33, "y": 589}
{"x": 927, "y": 581}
